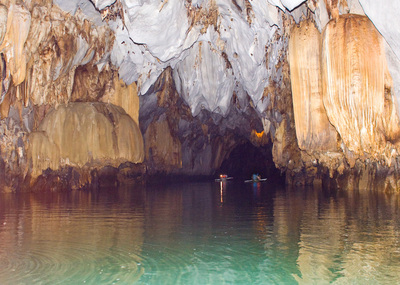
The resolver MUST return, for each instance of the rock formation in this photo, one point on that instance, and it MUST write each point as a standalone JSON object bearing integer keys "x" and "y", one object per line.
{"x": 313, "y": 129}
{"x": 358, "y": 87}
{"x": 85, "y": 136}
{"x": 314, "y": 83}
{"x": 81, "y": 133}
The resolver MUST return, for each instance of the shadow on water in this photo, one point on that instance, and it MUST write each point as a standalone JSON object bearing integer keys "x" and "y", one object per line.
{"x": 200, "y": 233}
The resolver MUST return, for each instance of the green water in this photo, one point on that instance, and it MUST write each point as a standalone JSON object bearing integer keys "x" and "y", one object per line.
{"x": 200, "y": 233}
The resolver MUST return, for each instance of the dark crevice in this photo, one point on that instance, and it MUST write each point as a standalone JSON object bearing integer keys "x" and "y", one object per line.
{"x": 247, "y": 159}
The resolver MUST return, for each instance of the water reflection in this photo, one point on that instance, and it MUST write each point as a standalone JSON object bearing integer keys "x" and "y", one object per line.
{"x": 222, "y": 190}
{"x": 343, "y": 237}
{"x": 200, "y": 233}
{"x": 71, "y": 237}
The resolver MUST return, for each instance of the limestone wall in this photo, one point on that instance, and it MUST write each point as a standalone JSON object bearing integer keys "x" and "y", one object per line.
{"x": 85, "y": 134}
{"x": 344, "y": 101}
{"x": 313, "y": 129}
{"x": 357, "y": 85}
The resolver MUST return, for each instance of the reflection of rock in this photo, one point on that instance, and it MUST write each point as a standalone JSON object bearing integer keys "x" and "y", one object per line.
{"x": 82, "y": 134}
{"x": 76, "y": 237}
{"x": 319, "y": 242}
{"x": 336, "y": 237}
{"x": 314, "y": 132}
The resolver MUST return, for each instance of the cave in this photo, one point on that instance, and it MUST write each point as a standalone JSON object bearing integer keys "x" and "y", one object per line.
{"x": 247, "y": 159}
{"x": 118, "y": 118}
{"x": 196, "y": 88}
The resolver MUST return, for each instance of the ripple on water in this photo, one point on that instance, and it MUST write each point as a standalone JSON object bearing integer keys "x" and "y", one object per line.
{"x": 49, "y": 262}
{"x": 212, "y": 261}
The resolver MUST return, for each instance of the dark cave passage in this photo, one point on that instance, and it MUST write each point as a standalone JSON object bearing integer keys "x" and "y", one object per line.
{"x": 247, "y": 159}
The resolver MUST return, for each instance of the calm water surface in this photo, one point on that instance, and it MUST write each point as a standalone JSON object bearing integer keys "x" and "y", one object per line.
{"x": 200, "y": 233}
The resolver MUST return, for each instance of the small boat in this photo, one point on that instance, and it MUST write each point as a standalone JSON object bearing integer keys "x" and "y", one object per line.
{"x": 222, "y": 178}
{"x": 256, "y": 178}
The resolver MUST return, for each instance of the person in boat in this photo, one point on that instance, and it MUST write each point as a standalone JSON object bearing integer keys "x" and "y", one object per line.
{"x": 223, "y": 177}
{"x": 256, "y": 177}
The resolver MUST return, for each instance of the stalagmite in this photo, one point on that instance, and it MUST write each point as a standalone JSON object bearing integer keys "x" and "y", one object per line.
{"x": 313, "y": 130}
{"x": 356, "y": 85}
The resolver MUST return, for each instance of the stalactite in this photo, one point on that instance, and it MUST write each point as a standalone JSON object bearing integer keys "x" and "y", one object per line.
{"x": 125, "y": 96}
{"x": 313, "y": 130}
{"x": 3, "y": 22}
{"x": 353, "y": 71}
{"x": 3, "y": 67}
{"x": 18, "y": 25}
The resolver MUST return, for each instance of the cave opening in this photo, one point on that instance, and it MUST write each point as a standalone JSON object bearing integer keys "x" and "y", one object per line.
{"x": 247, "y": 159}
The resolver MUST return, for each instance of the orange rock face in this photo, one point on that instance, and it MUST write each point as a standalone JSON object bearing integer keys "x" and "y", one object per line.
{"x": 18, "y": 25}
{"x": 41, "y": 48}
{"x": 85, "y": 135}
{"x": 313, "y": 129}
{"x": 357, "y": 86}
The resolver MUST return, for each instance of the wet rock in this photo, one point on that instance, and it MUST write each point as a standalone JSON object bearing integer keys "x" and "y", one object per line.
{"x": 313, "y": 130}
{"x": 182, "y": 144}
{"x": 42, "y": 48}
{"x": 13, "y": 157}
{"x": 125, "y": 96}
{"x": 85, "y": 135}
{"x": 361, "y": 108}
{"x": 214, "y": 78}
{"x": 161, "y": 147}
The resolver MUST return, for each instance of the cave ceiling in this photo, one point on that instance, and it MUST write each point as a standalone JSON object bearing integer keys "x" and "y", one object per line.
{"x": 199, "y": 40}
{"x": 216, "y": 48}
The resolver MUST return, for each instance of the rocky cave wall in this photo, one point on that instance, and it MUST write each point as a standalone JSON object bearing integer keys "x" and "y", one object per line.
{"x": 344, "y": 100}
{"x": 127, "y": 88}
{"x": 176, "y": 142}
{"x": 51, "y": 58}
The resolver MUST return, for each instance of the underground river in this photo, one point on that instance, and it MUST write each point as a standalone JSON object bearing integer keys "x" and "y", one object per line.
{"x": 200, "y": 233}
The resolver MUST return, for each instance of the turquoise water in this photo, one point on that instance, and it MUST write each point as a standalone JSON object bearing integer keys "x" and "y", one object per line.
{"x": 200, "y": 233}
